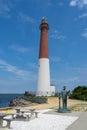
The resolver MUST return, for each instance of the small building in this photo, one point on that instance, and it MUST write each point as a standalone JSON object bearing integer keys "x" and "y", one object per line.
{"x": 52, "y": 87}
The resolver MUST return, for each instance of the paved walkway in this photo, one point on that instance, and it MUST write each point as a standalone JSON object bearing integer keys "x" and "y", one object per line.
{"x": 43, "y": 122}
{"x": 79, "y": 124}
{"x": 53, "y": 120}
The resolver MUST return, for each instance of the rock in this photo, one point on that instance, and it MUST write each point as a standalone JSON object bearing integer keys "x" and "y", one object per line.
{"x": 19, "y": 102}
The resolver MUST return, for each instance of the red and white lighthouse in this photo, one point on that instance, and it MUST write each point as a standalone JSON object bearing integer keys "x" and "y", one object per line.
{"x": 43, "y": 86}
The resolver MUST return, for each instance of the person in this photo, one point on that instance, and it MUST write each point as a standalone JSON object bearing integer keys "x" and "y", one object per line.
{"x": 64, "y": 94}
{"x": 7, "y": 112}
{"x": 59, "y": 101}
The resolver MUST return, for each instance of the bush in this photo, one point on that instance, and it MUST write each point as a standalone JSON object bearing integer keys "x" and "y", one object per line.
{"x": 79, "y": 92}
{"x": 36, "y": 99}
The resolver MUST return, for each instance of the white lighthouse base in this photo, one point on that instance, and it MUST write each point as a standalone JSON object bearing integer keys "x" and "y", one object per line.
{"x": 43, "y": 87}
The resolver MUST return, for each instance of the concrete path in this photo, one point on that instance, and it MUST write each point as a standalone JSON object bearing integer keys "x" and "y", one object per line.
{"x": 79, "y": 124}
{"x": 43, "y": 122}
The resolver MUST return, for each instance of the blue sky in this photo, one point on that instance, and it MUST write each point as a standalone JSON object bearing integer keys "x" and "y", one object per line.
{"x": 20, "y": 38}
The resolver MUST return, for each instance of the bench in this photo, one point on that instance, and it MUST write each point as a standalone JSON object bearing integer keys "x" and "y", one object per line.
{"x": 25, "y": 114}
{"x": 36, "y": 114}
{"x": 8, "y": 122}
{"x": 2, "y": 115}
{"x": 28, "y": 116}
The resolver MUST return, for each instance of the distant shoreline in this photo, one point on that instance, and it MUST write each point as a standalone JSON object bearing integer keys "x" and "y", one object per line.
{"x": 5, "y": 98}
{"x": 5, "y": 108}
{"x": 11, "y": 93}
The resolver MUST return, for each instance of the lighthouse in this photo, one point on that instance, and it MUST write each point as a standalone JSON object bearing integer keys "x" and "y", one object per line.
{"x": 43, "y": 83}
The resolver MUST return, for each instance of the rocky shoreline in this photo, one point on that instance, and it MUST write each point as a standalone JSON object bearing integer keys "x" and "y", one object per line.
{"x": 20, "y": 102}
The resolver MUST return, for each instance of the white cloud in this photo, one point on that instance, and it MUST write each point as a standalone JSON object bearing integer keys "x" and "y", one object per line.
{"x": 85, "y": 1}
{"x": 26, "y": 18}
{"x": 19, "y": 48}
{"x": 5, "y": 9}
{"x": 33, "y": 65}
{"x": 67, "y": 80}
{"x": 55, "y": 59}
{"x": 24, "y": 74}
{"x": 71, "y": 77}
{"x": 56, "y": 35}
{"x": 73, "y": 3}
{"x": 79, "y": 3}
{"x": 84, "y": 34}
{"x": 85, "y": 29}
{"x": 83, "y": 15}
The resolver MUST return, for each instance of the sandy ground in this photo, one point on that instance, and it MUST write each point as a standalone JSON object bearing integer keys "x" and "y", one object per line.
{"x": 52, "y": 103}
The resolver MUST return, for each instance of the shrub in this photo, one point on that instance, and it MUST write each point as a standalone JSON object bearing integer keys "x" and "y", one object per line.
{"x": 80, "y": 93}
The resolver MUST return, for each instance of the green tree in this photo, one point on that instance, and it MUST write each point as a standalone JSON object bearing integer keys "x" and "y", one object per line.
{"x": 79, "y": 92}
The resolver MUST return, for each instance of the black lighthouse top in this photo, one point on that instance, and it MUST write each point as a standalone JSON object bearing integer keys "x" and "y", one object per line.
{"x": 44, "y": 20}
{"x": 44, "y": 23}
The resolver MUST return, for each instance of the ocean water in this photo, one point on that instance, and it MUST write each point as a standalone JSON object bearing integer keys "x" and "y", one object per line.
{"x": 6, "y": 98}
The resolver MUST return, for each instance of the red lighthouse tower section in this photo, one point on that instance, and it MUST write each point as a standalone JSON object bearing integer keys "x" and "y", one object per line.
{"x": 43, "y": 53}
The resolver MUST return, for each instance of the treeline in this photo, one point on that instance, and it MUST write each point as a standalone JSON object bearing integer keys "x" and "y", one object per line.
{"x": 79, "y": 92}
